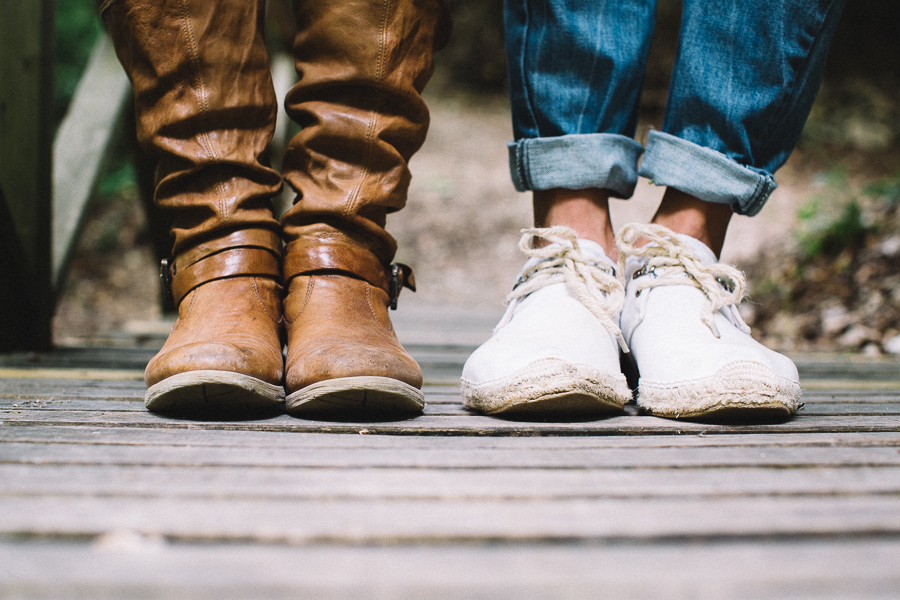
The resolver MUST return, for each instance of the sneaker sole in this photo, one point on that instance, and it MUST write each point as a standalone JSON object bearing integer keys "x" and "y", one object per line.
{"x": 213, "y": 391}
{"x": 744, "y": 390}
{"x": 378, "y": 395}
{"x": 552, "y": 389}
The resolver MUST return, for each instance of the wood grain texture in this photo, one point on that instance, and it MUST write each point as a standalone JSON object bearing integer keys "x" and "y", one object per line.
{"x": 100, "y": 498}
{"x": 133, "y": 566}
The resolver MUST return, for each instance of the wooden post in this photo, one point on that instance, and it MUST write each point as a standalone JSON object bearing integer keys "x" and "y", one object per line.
{"x": 26, "y": 136}
{"x": 81, "y": 146}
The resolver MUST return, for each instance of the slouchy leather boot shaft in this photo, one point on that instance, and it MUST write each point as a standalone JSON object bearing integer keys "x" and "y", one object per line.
{"x": 362, "y": 66}
{"x": 205, "y": 108}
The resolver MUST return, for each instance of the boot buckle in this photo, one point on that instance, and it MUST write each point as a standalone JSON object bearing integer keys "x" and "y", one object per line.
{"x": 401, "y": 276}
{"x": 166, "y": 273}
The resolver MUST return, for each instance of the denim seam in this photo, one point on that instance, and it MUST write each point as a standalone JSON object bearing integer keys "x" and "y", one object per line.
{"x": 522, "y": 165}
{"x": 755, "y": 198}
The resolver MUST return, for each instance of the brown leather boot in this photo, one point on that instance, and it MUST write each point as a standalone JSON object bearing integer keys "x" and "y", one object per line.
{"x": 206, "y": 109}
{"x": 224, "y": 352}
{"x": 362, "y": 67}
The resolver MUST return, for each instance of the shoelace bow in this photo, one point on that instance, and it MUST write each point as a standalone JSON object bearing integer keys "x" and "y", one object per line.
{"x": 602, "y": 292}
{"x": 669, "y": 260}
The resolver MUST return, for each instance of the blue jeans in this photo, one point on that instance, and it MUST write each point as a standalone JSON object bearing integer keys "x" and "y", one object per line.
{"x": 745, "y": 77}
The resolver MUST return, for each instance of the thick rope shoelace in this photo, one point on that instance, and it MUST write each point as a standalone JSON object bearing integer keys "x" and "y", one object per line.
{"x": 672, "y": 262}
{"x": 596, "y": 285}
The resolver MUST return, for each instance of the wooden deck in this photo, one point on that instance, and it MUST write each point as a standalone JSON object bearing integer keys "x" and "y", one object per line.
{"x": 101, "y": 499}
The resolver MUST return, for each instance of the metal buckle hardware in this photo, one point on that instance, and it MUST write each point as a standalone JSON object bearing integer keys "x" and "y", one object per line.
{"x": 166, "y": 273}
{"x": 400, "y": 277}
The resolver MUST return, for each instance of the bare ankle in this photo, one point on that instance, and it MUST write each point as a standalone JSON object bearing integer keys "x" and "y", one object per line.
{"x": 705, "y": 221}
{"x": 585, "y": 211}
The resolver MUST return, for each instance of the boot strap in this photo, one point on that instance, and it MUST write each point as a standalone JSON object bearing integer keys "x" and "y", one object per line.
{"x": 351, "y": 260}
{"x": 242, "y": 238}
{"x": 233, "y": 262}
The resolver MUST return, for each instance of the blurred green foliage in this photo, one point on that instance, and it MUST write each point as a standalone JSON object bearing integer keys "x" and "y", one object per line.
{"x": 838, "y": 218}
{"x": 77, "y": 27}
{"x": 887, "y": 189}
{"x": 118, "y": 178}
{"x": 831, "y": 220}
{"x": 834, "y": 235}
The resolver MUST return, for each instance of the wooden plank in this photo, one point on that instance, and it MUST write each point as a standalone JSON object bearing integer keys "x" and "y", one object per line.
{"x": 426, "y": 483}
{"x": 81, "y": 146}
{"x": 71, "y": 374}
{"x": 433, "y": 521}
{"x": 131, "y": 386}
{"x": 56, "y": 383}
{"x": 462, "y": 425}
{"x": 81, "y": 358}
{"x": 26, "y": 96}
{"x": 855, "y": 370}
{"x": 852, "y": 408}
{"x": 437, "y": 405}
{"x": 123, "y": 565}
{"x": 849, "y": 384}
{"x": 442, "y": 407}
{"x": 690, "y": 457}
{"x": 275, "y": 440}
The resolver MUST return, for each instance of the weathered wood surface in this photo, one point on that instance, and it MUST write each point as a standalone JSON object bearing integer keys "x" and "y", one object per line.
{"x": 101, "y": 499}
{"x": 81, "y": 146}
{"x": 824, "y": 569}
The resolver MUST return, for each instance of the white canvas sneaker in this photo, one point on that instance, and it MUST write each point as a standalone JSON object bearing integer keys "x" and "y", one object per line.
{"x": 556, "y": 350}
{"x": 693, "y": 351}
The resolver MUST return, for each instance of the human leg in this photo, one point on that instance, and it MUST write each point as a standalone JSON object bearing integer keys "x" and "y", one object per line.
{"x": 576, "y": 71}
{"x": 744, "y": 80}
{"x": 688, "y": 215}
{"x": 584, "y": 211}
{"x": 206, "y": 110}
{"x": 363, "y": 65}
{"x": 575, "y": 77}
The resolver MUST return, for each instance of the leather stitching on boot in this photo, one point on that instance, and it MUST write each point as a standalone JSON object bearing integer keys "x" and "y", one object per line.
{"x": 306, "y": 297}
{"x": 203, "y": 98}
{"x": 371, "y": 305}
{"x": 263, "y": 304}
{"x": 189, "y": 308}
{"x": 376, "y": 110}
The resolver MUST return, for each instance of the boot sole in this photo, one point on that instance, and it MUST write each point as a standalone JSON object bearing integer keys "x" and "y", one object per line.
{"x": 357, "y": 395}
{"x": 213, "y": 392}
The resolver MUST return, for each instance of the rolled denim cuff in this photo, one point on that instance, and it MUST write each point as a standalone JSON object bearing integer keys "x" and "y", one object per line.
{"x": 705, "y": 173}
{"x": 575, "y": 162}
